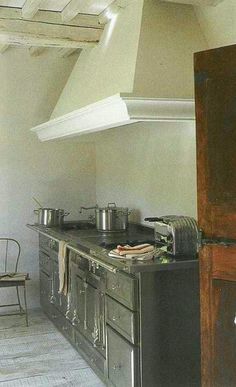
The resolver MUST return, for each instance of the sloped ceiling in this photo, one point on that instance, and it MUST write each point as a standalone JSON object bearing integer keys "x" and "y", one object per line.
{"x": 218, "y": 23}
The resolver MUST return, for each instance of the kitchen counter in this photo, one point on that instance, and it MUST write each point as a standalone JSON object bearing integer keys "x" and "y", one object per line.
{"x": 136, "y": 323}
{"x": 98, "y": 245}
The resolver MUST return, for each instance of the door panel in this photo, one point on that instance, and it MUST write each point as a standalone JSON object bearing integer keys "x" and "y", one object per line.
{"x": 225, "y": 333}
{"x": 215, "y": 95}
{"x": 215, "y": 91}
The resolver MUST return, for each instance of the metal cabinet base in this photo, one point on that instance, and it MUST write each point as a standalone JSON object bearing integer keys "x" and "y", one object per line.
{"x": 93, "y": 358}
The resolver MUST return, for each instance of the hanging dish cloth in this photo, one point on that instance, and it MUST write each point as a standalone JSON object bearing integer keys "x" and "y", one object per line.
{"x": 63, "y": 268}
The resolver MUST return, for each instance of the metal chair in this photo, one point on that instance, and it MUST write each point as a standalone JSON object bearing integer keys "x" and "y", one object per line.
{"x": 10, "y": 251}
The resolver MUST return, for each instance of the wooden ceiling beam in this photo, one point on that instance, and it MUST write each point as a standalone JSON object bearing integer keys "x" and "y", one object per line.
{"x": 70, "y": 11}
{"x": 42, "y": 32}
{"x": 30, "y": 8}
{"x": 81, "y": 20}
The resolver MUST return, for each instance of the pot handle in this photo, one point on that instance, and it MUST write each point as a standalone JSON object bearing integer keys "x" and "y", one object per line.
{"x": 111, "y": 205}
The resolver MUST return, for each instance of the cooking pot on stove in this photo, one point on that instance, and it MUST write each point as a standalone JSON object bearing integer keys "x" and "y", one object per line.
{"x": 50, "y": 217}
{"x": 110, "y": 218}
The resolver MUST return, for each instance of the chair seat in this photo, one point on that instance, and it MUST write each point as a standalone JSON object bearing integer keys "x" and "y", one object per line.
{"x": 14, "y": 277}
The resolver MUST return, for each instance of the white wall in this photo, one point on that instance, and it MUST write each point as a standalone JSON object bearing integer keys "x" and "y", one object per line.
{"x": 60, "y": 174}
{"x": 218, "y": 23}
{"x": 150, "y": 169}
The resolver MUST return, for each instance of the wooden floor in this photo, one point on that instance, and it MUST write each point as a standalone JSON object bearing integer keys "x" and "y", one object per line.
{"x": 39, "y": 356}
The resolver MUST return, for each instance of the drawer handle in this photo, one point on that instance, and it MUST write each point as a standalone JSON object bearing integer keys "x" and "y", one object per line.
{"x": 117, "y": 367}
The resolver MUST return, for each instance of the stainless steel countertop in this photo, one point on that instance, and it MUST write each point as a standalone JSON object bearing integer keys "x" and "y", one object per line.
{"x": 90, "y": 240}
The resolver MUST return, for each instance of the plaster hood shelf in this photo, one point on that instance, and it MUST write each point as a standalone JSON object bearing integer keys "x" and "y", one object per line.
{"x": 114, "y": 111}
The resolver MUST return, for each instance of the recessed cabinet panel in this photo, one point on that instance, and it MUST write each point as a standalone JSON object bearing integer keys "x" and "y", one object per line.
{"x": 122, "y": 361}
{"x": 221, "y": 139}
{"x": 225, "y": 333}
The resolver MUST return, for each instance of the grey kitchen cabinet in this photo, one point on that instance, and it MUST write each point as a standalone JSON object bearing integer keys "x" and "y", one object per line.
{"x": 134, "y": 329}
{"x": 122, "y": 361}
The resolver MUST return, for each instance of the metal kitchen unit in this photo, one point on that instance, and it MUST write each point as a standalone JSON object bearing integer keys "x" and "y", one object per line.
{"x": 136, "y": 324}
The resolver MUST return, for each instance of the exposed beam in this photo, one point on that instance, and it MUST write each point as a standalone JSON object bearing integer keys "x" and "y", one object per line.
{"x": 65, "y": 52}
{"x": 3, "y": 48}
{"x": 70, "y": 11}
{"x": 81, "y": 20}
{"x": 36, "y": 51}
{"x": 196, "y": 2}
{"x": 30, "y": 8}
{"x": 17, "y": 31}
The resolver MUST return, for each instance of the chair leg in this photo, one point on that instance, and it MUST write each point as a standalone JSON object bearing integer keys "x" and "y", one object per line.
{"x": 26, "y": 310}
{"x": 18, "y": 297}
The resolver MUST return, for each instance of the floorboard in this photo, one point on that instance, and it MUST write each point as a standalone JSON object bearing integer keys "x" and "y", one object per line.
{"x": 40, "y": 356}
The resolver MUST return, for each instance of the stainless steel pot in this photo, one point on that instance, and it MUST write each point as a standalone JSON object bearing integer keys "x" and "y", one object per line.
{"x": 50, "y": 217}
{"x": 111, "y": 218}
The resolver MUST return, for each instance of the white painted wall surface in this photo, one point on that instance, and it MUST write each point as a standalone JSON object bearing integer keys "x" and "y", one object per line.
{"x": 60, "y": 174}
{"x": 150, "y": 169}
{"x": 218, "y": 23}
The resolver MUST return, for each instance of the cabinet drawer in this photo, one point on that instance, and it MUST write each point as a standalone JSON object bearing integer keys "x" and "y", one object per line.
{"x": 124, "y": 288}
{"x": 48, "y": 243}
{"x": 92, "y": 356}
{"x": 122, "y": 361}
{"x": 45, "y": 262}
{"x": 122, "y": 319}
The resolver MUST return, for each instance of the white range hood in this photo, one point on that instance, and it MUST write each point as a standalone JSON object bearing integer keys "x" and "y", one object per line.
{"x": 141, "y": 71}
{"x": 114, "y": 111}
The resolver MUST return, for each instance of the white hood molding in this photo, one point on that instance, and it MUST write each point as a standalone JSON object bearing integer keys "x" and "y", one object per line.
{"x": 114, "y": 111}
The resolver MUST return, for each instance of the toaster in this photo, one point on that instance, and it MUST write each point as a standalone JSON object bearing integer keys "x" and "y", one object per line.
{"x": 178, "y": 233}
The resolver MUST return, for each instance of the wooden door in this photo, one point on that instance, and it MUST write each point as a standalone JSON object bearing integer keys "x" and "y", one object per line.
{"x": 215, "y": 92}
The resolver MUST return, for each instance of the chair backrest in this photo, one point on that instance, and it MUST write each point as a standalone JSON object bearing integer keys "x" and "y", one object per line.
{"x": 9, "y": 255}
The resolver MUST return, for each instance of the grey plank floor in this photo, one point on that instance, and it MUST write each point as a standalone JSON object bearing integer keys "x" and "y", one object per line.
{"x": 39, "y": 356}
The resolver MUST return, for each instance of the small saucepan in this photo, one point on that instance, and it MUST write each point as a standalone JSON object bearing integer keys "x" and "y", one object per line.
{"x": 50, "y": 217}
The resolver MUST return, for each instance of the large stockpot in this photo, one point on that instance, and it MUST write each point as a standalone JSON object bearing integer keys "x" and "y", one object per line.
{"x": 51, "y": 217}
{"x": 111, "y": 218}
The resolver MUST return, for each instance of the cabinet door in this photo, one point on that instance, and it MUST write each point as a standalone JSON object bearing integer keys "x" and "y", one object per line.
{"x": 80, "y": 303}
{"x": 215, "y": 91}
{"x": 45, "y": 289}
{"x": 122, "y": 361}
